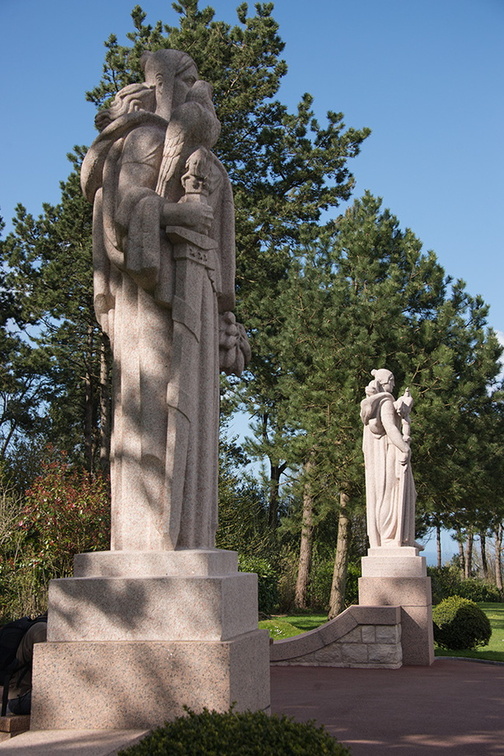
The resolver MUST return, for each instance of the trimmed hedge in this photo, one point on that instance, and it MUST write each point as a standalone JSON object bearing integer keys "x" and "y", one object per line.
{"x": 460, "y": 624}
{"x": 242, "y": 734}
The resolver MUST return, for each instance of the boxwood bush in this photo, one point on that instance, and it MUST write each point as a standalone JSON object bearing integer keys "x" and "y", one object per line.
{"x": 241, "y": 734}
{"x": 460, "y": 624}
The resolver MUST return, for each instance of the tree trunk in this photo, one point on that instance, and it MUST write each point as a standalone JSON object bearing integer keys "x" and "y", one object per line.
{"x": 438, "y": 546}
{"x": 484, "y": 561}
{"x": 305, "y": 547}
{"x": 469, "y": 556}
{"x": 337, "y": 599}
{"x": 274, "y": 493}
{"x": 498, "y": 554}
{"x": 462, "y": 560}
{"x": 105, "y": 408}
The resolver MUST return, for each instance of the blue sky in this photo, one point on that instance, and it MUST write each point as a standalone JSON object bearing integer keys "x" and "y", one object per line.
{"x": 424, "y": 75}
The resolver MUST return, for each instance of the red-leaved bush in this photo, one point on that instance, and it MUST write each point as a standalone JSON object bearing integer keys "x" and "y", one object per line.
{"x": 66, "y": 512}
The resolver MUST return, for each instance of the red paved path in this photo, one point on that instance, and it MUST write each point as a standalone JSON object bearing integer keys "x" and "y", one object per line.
{"x": 454, "y": 708}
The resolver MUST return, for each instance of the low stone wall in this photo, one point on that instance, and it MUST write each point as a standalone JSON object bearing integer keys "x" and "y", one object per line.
{"x": 367, "y": 637}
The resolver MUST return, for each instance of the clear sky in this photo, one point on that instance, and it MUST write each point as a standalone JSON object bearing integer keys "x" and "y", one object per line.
{"x": 425, "y": 75}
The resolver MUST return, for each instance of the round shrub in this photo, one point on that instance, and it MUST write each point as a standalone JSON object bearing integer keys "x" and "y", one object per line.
{"x": 241, "y": 734}
{"x": 460, "y": 624}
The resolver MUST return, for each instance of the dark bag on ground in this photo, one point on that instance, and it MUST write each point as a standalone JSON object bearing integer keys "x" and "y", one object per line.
{"x": 11, "y": 636}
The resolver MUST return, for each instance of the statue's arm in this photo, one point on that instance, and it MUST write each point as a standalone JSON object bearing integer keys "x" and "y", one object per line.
{"x": 140, "y": 164}
{"x": 388, "y": 418}
{"x": 190, "y": 215}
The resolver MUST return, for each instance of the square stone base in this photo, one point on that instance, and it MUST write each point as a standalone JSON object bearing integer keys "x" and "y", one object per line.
{"x": 413, "y": 595}
{"x": 141, "y": 684}
{"x": 169, "y": 608}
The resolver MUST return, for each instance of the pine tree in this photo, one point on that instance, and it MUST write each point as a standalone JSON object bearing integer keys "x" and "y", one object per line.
{"x": 49, "y": 261}
{"x": 369, "y": 297}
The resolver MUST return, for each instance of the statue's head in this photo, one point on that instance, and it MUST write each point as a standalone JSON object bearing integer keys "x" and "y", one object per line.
{"x": 172, "y": 74}
{"x": 384, "y": 379}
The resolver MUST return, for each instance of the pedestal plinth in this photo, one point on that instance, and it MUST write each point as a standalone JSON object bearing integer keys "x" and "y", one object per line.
{"x": 398, "y": 577}
{"x": 136, "y": 636}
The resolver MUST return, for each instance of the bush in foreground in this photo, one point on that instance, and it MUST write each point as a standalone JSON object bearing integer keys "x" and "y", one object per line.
{"x": 241, "y": 734}
{"x": 460, "y": 624}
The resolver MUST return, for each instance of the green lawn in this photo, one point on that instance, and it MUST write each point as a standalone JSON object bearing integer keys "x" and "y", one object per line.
{"x": 288, "y": 624}
{"x": 283, "y": 626}
{"x": 306, "y": 622}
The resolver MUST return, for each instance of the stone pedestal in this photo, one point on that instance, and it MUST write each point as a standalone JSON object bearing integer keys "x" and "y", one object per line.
{"x": 136, "y": 636}
{"x": 398, "y": 577}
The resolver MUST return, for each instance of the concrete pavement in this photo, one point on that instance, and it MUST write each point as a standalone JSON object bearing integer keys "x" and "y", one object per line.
{"x": 454, "y": 707}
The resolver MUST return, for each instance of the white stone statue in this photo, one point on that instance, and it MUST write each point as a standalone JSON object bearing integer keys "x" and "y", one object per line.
{"x": 390, "y": 488}
{"x": 164, "y": 278}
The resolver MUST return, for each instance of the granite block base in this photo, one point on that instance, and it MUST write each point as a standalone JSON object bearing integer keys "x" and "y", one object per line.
{"x": 141, "y": 684}
{"x": 397, "y": 580}
{"x": 135, "y": 637}
{"x": 166, "y": 608}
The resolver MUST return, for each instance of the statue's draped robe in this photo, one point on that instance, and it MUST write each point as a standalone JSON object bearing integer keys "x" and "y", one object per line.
{"x": 390, "y": 488}
{"x": 136, "y": 301}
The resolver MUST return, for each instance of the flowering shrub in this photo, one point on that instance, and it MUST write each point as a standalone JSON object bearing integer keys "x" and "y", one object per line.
{"x": 66, "y": 512}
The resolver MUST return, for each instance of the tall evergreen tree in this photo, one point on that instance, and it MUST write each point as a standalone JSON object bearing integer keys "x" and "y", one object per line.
{"x": 49, "y": 260}
{"x": 369, "y": 297}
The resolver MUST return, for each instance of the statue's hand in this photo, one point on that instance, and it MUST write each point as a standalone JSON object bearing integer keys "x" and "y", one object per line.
{"x": 200, "y": 216}
{"x": 404, "y": 457}
{"x": 234, "y": 347}
{"x": 195, "y": 215}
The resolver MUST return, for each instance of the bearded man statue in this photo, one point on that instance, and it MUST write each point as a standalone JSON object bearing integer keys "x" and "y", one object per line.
{"x": 164, "y": 281}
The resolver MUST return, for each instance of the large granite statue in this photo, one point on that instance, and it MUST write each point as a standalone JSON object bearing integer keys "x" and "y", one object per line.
{"x": 173, "y": 612}
{"x": 164, "y": 267}
{"x": 390, "y": 489}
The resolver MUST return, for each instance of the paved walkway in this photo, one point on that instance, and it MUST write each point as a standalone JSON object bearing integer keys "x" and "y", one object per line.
{"x": 454, "y": 707}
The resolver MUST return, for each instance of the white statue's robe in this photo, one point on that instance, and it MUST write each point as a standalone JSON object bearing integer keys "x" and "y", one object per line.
{"x": 390, "y": 488}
